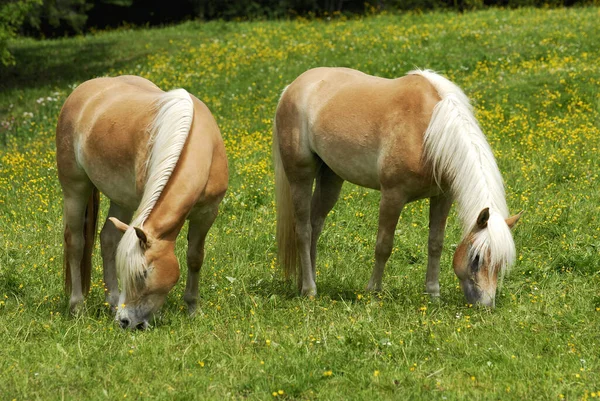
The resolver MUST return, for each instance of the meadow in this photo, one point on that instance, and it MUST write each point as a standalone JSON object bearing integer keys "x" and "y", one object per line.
{"x": 534, "y": 78}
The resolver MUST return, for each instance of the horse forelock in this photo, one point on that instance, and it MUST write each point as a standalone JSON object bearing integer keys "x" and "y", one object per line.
{"x": 131, "y": 264}
{"x": 496, "y": 243}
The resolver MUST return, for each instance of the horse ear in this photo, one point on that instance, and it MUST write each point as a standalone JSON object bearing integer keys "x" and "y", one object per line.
{"x": 511, "y": 221}
{"x": 119, "y": 224}
{"x": 142, "y": 237}
{"x": 483, "y": 218}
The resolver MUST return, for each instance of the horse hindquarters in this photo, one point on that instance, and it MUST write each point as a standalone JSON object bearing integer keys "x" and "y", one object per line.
{"x": 293, "y": 185}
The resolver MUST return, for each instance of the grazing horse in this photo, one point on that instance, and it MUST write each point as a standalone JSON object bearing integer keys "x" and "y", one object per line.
{"x": 160, "y": 159}
{"x": 411, "y": 138}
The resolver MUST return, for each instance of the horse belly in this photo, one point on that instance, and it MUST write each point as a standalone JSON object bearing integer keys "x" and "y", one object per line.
{"x": 352, "y": 160}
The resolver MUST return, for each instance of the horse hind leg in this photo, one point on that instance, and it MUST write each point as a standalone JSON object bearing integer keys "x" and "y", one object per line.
{"x": 79, "y": 198}
{"x": 326, "y": 194}
{"x": 200, "y": 223}
{"x": 109, "y": 240}
{"x": 439, "y": 208}
{"x": 390, "y": 206}
{"x": 301, "y": 184}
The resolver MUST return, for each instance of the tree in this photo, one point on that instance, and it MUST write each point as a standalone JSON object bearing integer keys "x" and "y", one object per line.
{"x": 12, "y": 15}
{"x": 59, "y": 17}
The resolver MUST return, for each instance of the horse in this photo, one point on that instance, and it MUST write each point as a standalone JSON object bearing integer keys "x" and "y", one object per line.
{"x": 160, "y": 159}
{"x": 411, "y": 138}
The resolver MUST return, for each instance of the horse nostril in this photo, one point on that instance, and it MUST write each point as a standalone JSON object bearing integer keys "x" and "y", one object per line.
{"x": 141, "y": 326}
{"x": 124, "y": 322}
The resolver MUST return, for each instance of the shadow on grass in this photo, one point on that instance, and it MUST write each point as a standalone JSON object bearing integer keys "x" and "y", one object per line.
{"x": 345, "y": 292}
{"x": 60, "y": 63}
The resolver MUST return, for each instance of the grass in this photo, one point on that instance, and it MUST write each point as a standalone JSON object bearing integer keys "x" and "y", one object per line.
{"x": 534, "y": 78}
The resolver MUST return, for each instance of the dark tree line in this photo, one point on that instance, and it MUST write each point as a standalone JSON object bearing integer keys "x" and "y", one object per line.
{"x": 60, "y": 17}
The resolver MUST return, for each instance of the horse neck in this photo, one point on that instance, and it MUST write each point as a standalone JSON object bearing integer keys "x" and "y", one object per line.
{"x": 168, "y": 135}
{"x": 171, "y": 210}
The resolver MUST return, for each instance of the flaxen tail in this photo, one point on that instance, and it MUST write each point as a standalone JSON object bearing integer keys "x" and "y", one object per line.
{"x": 89, "y": 236}
{"x": 287, "y": 253}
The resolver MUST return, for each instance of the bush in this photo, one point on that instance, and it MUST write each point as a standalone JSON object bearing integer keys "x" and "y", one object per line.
{"x": 12, "y": 15}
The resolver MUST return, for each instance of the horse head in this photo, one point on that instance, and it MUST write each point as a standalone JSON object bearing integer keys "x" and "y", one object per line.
{"x": 148, "y": 269}
{"x": 483, "y": 255}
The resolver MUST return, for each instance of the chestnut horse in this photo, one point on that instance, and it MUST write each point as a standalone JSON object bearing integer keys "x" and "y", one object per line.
{"x": 411, "y": 138}
{"x": 160, "y": 159}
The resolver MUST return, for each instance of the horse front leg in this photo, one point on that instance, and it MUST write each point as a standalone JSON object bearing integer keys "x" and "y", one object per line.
{"x": 109, "y": 240}
{"x": 390, "y": 207}
{"x": 439, "y": 208}
{"x": 200, "y": 223}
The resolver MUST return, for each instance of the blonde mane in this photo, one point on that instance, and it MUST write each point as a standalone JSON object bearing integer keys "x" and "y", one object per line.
{"x": 168, "y": 134}
{"x": 459, "y": 152}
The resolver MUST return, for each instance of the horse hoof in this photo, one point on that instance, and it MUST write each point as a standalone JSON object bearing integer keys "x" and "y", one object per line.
{"x": 434, "y": 298}
{"x": 309, "y": 292}
{"x": 373, "y": 288}
{"x": 76, "y": 308}
{"x": 192, "y": 309}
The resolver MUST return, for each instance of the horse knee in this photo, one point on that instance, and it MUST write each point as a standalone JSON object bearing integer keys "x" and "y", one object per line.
{"x": 303, "y": 232}
{"x": 195, "y": 259}
{"x": 74, "y": 241}
{"x": 435, "y": 249}
{"x": 383, "y": 249}
{"x": 67, "y": 236}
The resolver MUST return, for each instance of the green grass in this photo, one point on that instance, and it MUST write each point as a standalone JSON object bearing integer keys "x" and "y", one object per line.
{"x": 534, "y": 78}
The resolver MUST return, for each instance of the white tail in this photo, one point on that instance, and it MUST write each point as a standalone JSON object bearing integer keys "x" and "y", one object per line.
{"x": 459, "y": 153}
{"x": 168, "y": 134}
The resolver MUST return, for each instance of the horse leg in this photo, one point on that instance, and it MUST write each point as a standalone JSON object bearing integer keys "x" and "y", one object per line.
{"x": 327, "y": 191}
{"x": 390, "y": 206}
{"x": 75, "y": 203}
{"x": 200, "y": 223}
{"x": 439, "y": 208}
{"x": 301, "y": 189}
{"x": 109, "y": 240}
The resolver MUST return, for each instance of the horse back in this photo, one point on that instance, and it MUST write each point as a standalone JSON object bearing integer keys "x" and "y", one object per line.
{"x": 369, "y": 130}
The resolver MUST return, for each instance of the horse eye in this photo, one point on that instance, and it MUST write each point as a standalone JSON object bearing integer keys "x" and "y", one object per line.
{"x": 475, "y": 264}
{"x": 145, "y": 273}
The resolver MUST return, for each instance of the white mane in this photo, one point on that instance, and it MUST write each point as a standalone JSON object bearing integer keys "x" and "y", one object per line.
{"x": 168, "y": 134}
{"x": 459, "y": 152}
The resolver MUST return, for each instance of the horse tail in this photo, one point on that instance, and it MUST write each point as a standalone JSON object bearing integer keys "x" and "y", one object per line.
{"x": 287, "y": 253}
{"x": 90, "y": 227}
